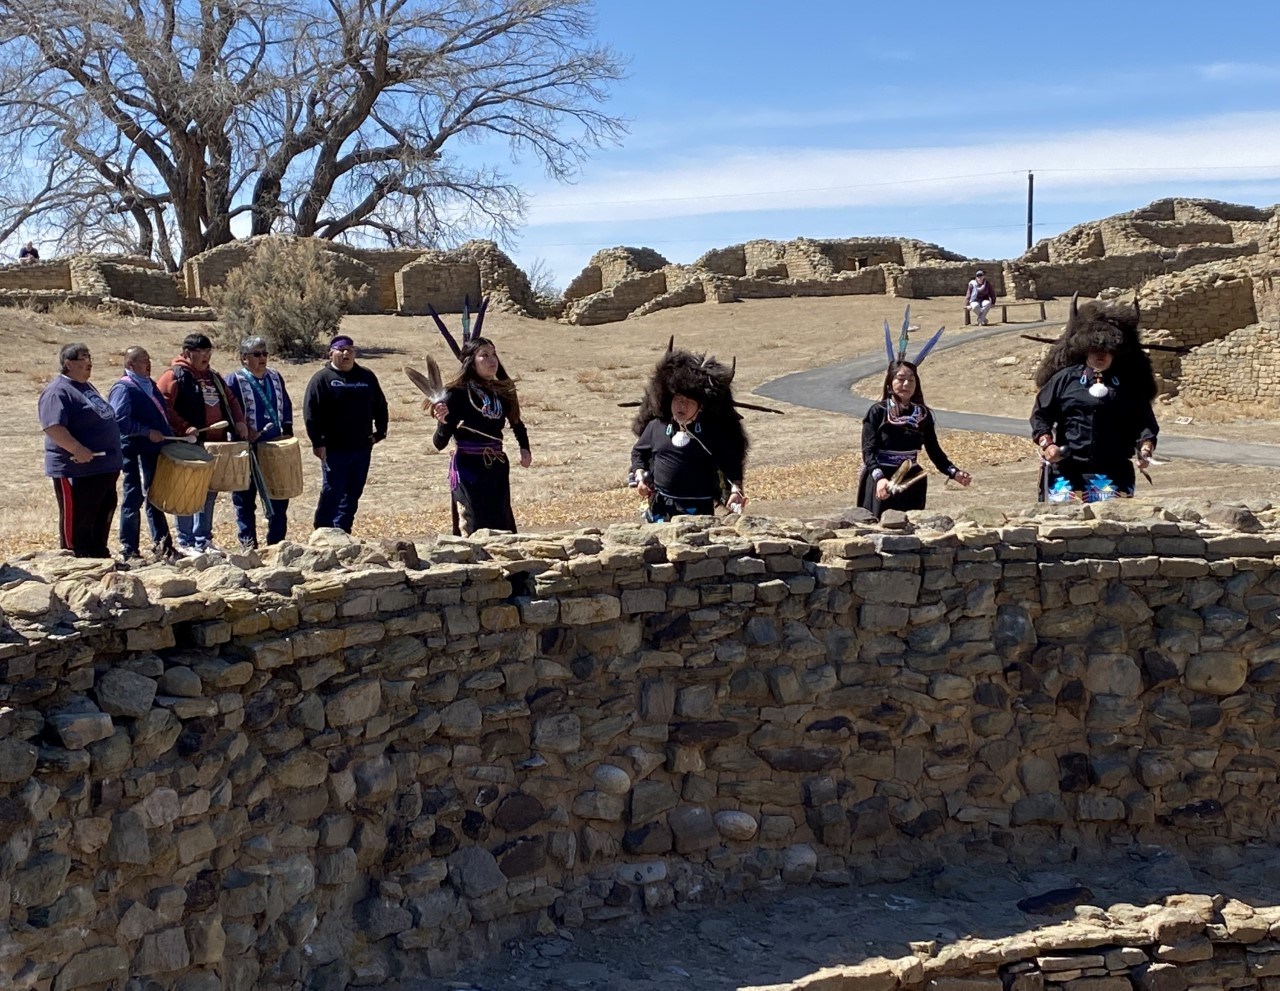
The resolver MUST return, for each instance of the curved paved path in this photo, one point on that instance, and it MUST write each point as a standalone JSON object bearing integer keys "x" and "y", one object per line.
{"x": 830, "y": 388}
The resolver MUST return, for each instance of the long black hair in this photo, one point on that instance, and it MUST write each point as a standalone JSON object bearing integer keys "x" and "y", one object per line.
{"x": 917, "y": 397}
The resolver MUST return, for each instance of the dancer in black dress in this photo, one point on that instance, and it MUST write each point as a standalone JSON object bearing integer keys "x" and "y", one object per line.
{"x": 1093, "y": 414}
{"x": 894, "y": 431}
{"x": 691, "y": 449}
{"x": 471, "y": 410}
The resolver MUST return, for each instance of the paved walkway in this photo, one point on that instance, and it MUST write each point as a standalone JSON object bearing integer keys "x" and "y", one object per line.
{"x": 830, "y": 388}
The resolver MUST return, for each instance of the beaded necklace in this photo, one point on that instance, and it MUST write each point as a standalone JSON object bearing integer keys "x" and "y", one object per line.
{"x": 910, "y": 419}
{"x": 486, "y": 404}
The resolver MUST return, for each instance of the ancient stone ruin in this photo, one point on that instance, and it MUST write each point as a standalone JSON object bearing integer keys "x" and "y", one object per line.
{"x": 1203, "y": 272}
{"x": 352, "y": 763}
{"x": 387, "y": 281}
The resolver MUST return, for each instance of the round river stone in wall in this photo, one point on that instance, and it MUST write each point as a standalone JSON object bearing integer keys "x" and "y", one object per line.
{"x": 611, "y": 779}
{"x": 735, "y": 825}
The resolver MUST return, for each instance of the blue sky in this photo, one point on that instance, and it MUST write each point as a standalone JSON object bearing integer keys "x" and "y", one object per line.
{"x": 819, "y": 118}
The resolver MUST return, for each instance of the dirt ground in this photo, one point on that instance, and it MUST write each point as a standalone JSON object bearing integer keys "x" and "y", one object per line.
{"x": 571, "y": 380}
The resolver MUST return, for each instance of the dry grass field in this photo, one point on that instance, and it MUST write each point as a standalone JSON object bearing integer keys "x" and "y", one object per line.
{"x": 571, "y": 380}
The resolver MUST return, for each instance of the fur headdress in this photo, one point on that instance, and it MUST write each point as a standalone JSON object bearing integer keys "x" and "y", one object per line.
{"x": 1100, "y": 326}
{"x": 700, "y": 377}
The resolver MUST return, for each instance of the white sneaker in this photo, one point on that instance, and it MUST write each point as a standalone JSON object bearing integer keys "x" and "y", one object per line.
{"x": 214, "y": 550}
{"x": 186, "y": 550}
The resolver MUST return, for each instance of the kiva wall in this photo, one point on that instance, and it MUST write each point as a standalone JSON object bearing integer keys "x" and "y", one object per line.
{"x": 329, "y": 765}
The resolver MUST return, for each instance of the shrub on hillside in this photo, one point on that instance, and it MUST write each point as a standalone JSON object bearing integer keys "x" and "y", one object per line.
{"x": 289, "y": 293}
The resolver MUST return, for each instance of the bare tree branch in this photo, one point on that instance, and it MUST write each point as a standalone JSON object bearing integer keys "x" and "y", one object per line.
{"x": 153, "y": 124}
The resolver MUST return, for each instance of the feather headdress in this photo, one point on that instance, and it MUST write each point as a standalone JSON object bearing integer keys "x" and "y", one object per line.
{"x": 432, "y": 384}
{"x": 901, "y": 353}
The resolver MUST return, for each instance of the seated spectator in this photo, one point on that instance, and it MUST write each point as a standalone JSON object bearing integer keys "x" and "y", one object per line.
{"x": 28, "y": 255}
{"x": 980, "y": 296}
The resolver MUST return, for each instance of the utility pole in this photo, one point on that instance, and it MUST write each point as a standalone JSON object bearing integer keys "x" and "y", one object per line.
{"x": 1031, "y": 190}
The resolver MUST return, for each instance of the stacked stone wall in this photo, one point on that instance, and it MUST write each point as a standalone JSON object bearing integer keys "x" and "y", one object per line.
{"x": 766, "y": 260}
{"x": 1091, "y": 276}
{"x": 1201, "y": 941}
{"x": 146, "y": 285}
{"x": 1242, "y": 363}
{"x": 617, "y": 301}
{"x": 1175, "y": 235}
{"x": 437, "y": 279}
{"x": 384, "y": 263}
{"x": 40, "y": 277}
{"x": 724, "y": 261}
{"x": 330, "y": 768}
{"x": 952, "y": 278}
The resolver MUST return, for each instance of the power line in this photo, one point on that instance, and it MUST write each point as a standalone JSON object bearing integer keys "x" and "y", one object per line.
{"x": 918, "y": 230}
{"x": 909, "y": 182}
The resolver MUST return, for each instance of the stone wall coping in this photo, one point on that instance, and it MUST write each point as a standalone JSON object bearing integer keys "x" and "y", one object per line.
{"x": 49, "y": 595}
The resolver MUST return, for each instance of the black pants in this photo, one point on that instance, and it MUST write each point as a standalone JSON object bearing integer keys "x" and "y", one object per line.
{"x": 85, "y": 508}
{"x": 342, "y": 479}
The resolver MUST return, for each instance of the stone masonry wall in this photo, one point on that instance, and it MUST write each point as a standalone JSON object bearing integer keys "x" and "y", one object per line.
{"x": 1188, "y": 941}
{"x": 439, "y": 280}
{"x": 147, "y": 285}
{"x": 329, "y": 768}
{"x": 41, "y": 276}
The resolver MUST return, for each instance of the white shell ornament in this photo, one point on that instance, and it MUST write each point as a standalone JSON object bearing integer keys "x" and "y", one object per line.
{"x": 1098, "y": 390}
{"x": 680, "y": 439}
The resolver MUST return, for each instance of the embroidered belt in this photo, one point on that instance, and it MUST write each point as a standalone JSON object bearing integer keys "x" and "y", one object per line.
{"x": 492, "y": 454}
{"x": 891, "y": 459}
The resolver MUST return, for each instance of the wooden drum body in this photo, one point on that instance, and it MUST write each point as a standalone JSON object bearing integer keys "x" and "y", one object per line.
{"x": 182, "y": 479}
{"x": 231, "y": 468}
{"x": 281, "y": 464}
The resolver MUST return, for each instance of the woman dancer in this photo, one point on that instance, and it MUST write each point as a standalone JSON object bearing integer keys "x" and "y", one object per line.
{"x": 471, "y": 413}
{"x": 893, "y": 432}
{"x": 1093, "y": 413}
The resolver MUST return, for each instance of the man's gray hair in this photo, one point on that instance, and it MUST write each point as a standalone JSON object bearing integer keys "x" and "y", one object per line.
{"x": 252, "y": 344}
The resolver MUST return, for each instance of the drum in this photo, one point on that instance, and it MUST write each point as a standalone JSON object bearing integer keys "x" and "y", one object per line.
{"x": 182, "y": 479}
{"x": 281, "y": 464}
{"x": 231, "y": 468}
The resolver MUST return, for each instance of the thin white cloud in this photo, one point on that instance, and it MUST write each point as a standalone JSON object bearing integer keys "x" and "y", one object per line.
{"x": 1239, "y": 72}
{"x": 1230, "y": 147}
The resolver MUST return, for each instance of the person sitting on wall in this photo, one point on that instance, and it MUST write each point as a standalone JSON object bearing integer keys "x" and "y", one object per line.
{"x": 980, "y": 296}
{"x": 28, "y": 255}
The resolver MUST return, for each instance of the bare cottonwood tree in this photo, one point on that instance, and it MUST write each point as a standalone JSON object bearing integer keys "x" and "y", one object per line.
{"x": 151, "y": 125}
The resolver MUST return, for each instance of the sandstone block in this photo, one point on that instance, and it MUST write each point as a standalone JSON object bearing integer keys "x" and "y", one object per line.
{"x": 94, "y": 966}
{"x": 356, "y": 703}
{"x": 123, "y": 693}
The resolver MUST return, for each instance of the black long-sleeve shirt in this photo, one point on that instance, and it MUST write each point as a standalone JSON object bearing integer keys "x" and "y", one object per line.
{"x": 879, "y": 435}
{"x": 692, "y": 471}
{"x": 344, "y": 410}
{"x": 1100, "y": 430}
{"x": 468, "y": 421}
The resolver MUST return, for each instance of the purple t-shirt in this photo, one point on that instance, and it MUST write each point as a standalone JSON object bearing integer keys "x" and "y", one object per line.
{"x": 90, "y": 419}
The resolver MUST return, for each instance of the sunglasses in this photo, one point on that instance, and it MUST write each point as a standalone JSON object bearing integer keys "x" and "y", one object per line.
{"x": 259, "y": 354}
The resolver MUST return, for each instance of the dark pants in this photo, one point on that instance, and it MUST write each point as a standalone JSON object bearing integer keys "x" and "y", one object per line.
{"x": 139, "y": 472}
{"x": 246, "y": 502}
{"x": 663, "y": 507}
{"x": 341, "y": 484}
{"x": 85, "y": 508}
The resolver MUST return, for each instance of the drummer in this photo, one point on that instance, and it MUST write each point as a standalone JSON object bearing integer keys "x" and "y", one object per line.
{"x": 196, "y": 397}
{"x": 268, "y": 411}
{"x": 81, "y": 454}
{"x": 144, "y": 423}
